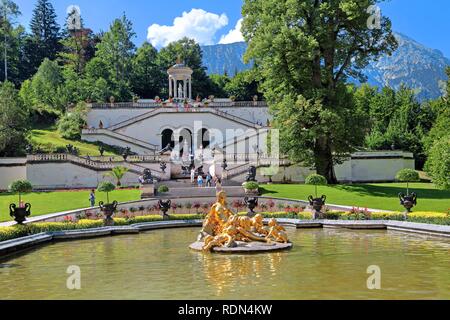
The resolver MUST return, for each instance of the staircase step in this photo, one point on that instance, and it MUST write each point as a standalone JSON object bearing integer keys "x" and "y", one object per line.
{"x": 195, "y": 192}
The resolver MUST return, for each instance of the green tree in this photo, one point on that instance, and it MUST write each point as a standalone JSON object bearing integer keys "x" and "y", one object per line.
{"x": 71, "y": 124}
{"x": 13, "y": 122}
{"x": 396, "y": 120}
{"x": 407, "y": 175}
{"x": 115, "y": 53}
{"x": 305, "y": 51}
{"x": 219, "y": 83}
{"x": 242, "y": 86}
{"x": 45, "y": 93}
{"x": 117, "y": 173}
{"x": 107, "y": 187}
{"x": 20, "y": 187}
{"x": 438, "y": 163}
{"x": 149, "y": 78}
{"x": 8, "y": 11}
{"x": 437, "y": 143}
{"x": 44, "y": 41}
{"x": 316, "y": 180}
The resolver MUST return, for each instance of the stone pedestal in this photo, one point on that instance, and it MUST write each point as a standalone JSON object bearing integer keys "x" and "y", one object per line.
{"x": 246, "y": 247}
{"x": 148, "y": 191}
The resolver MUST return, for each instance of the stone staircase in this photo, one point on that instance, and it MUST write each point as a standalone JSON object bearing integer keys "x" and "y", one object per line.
{"x": 195, "y": 192}
{"x": 158, "y": 111}
{"x": 120, "y": 140}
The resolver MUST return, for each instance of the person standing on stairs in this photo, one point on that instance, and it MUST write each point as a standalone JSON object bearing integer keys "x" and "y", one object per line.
{"x": 192, "y": 176}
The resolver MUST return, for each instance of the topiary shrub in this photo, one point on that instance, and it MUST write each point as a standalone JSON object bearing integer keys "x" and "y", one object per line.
{"x": 107, "y": 187}
{"x": 407, "y": 175}
{"x": 20, "y": 187}
{"x": 316, "y": 180}
{"x": 251, "y": 185}
{"x": 163, "y": 189}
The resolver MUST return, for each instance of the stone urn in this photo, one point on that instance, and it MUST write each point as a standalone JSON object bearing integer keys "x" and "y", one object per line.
{"x": 108, "y": 210}
{"x": 408, "y": 201}
{"x": 164, "y": 206}
{"x": 251, "y": 204}
{"x": 20, "y": 214}
{"x": 317, "y": 205}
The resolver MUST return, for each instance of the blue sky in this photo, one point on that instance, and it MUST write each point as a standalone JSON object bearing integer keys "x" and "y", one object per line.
{"x": 426, "y": 21}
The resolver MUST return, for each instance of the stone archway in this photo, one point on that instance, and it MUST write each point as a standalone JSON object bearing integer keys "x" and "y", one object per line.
{"x": 167, "y": 138}
{"x": 204, "y": 138}
{"x": 185, "y": 138}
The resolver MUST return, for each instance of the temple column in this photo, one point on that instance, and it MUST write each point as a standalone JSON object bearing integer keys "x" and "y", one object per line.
{"x": 190, "y": 88}
{"x": 170, "y": 87}
{"x": 175, "y": 89}
{"x": 184, "y": 88}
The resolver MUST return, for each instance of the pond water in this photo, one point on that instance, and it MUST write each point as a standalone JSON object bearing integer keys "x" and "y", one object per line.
{"x": 324, "y": 264}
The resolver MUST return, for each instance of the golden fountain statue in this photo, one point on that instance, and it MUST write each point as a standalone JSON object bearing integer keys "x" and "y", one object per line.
{"x": 228, "y": 232}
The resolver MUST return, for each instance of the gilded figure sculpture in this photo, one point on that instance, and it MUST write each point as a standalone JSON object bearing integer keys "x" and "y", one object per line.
{"x": 223, "y": 228}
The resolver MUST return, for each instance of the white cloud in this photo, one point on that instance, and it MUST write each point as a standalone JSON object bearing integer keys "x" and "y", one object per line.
{"x": 197, "y": 24}
{"x": 234, "y": 35}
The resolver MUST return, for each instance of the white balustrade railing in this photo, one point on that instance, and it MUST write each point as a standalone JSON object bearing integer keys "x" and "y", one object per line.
{"x": 97, "y": 164}
{"x": 212, "y": 104}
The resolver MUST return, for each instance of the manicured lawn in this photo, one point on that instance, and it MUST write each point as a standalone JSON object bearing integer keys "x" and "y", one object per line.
{"x": 52, "y": 202}
{"x": 49, "y": 139}
{"x": 375, "y": 196}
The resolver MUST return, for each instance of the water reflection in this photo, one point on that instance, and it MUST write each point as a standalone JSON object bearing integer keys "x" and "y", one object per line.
{"x": 225, "y": 272}
{"x": 323, "y": 264}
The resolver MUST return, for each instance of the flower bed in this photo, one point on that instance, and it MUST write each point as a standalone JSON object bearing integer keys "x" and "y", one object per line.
{"x": 137, "y": 216}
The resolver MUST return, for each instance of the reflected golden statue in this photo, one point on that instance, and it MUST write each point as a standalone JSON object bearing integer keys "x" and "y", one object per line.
{"x": 223, "y": 228}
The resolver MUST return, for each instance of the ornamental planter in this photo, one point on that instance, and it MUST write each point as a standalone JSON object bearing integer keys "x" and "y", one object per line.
{"x": 164, "y": 206}
{"x": 251, "y": 192}
{"x": 251, "y": 203}
{"x": 317, "y": 205}
{"x": 108, "y": 210}
{"x": 408, "y": 201}
{"x": 20, "y": 214}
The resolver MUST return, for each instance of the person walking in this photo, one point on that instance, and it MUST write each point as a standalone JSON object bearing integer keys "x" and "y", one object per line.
{"x": 218, "y": 185}
{"x": 192, "y": 176}
{"x": 200, "y": 181}
{"x": 92, "y": 198}
{"x": 208, "y": 180}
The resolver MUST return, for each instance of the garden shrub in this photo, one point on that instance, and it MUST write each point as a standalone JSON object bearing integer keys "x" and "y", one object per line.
{"x": 186, "y": 217}
{"x": 18, "y": 231}
{"x": 251, "y": 185}
{"x": 163, "y": 189}
{"x": 144, "y": 219}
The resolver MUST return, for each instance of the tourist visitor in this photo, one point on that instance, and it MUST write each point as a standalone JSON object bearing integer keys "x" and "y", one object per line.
{"x": 218, "y": 185}
{"x": 208, "y": 180}
{"x": 21, "y": 204}
{"x": 192, "y": 175}
{"x": 92, "y": 198}
{"x": 200, "y": 181}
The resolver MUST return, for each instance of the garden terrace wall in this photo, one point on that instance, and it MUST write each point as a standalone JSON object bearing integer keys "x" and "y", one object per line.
{"x": 136, "y": 205}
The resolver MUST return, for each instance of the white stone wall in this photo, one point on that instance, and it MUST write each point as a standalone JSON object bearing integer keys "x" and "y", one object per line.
{"x": 150, "y": 130}
{"x": 12, "y": 169}
{"x": 68, "y": 175}
{"x": 382, "y": 167}
{"x": 253, "y": 114}
{"x": 111, "y": 141}
{"x": 112, "y": 116}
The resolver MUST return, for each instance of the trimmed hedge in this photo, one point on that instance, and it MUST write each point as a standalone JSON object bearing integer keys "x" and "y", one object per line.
{"x": 18, "y": 231}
